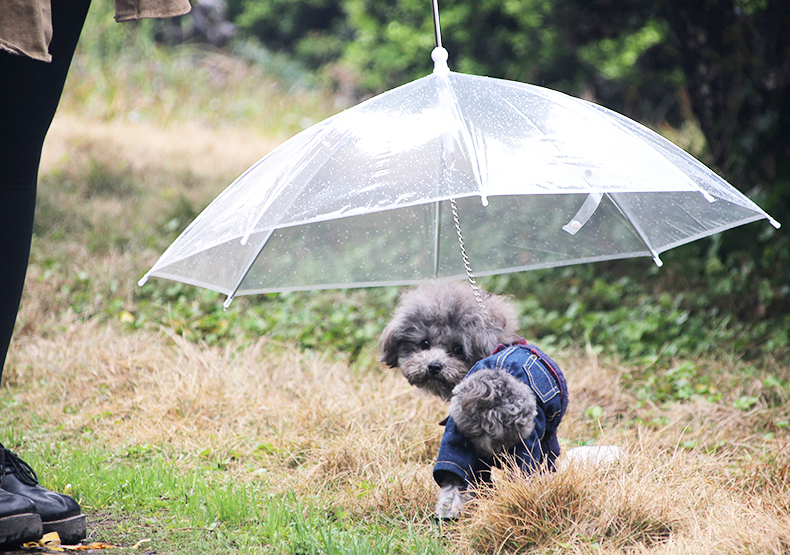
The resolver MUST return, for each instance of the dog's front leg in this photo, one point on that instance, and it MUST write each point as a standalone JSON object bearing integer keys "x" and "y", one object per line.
{"x": 451, "y": 498}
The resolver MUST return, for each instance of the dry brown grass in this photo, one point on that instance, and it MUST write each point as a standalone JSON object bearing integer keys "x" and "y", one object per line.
{"x": 310, "y": 424}
{"x": 727, "y": 494}
{"x": 652, "y": 501}
{"x": 365, "y": 440}
{"x": 206, "y": 153}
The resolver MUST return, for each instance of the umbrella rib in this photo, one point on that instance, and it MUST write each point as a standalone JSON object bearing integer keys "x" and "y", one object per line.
{"x": 281, "y": 181}
{"x": 692, "y": 216}
{"x": 640, "y": 233}
{"x": 246, "y": 271}
{"x": 464, "y": 134}
{"x": 535, "y": 126}
{"x": 534, "y": 249}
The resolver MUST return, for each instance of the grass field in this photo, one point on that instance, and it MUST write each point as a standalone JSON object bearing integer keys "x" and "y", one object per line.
{"x": 185, "y": 429}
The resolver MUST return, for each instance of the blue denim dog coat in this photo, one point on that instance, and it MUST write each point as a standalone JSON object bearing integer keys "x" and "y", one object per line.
{"x": 531, "y": 366}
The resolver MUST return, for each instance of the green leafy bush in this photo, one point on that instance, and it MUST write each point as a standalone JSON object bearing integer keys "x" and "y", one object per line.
{"x": 697, "y": 303}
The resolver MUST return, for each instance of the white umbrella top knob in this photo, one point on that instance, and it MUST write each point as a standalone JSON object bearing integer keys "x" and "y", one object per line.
{"x": 439, "y": 57}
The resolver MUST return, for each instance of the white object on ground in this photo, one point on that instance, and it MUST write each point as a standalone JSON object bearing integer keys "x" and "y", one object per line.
{"x": 597, "y": 455}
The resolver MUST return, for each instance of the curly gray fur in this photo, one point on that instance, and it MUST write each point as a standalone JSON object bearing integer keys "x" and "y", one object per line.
{"x": 493, "y": 410}
{"x": 439, "y": 331}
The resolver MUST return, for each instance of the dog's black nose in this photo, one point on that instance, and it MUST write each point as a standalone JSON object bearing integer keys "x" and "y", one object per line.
{"x": 435, "y": 367}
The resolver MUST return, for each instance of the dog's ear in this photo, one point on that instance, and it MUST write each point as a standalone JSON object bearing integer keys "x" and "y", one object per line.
{"x": 503, "y": 315}
{"x": 389, "y": 345}
{"x": 500, "y": 326}
{"x": 484, "y": 343}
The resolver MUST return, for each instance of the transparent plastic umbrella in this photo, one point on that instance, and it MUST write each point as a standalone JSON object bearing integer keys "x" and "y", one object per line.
{"x": 366, "y": 197}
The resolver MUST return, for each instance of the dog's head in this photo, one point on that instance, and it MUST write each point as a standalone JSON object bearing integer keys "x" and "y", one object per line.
{"x": 439, "y": 331}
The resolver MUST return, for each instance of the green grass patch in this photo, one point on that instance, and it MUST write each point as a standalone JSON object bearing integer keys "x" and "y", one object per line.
{"x": 183, "y": 503}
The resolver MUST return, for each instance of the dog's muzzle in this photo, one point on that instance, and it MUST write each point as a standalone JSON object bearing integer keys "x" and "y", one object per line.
{"x": 435, "y": 368}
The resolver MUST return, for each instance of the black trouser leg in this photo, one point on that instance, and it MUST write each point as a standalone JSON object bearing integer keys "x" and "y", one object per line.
{"x": 29, "y": 94}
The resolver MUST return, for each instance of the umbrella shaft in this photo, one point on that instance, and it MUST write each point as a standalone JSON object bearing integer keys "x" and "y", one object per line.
{"x": 436, "y": 28}
{"x": 436, "y": 230}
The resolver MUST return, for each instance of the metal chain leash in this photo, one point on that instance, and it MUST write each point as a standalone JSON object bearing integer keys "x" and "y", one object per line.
{"x": 467, "y": 265}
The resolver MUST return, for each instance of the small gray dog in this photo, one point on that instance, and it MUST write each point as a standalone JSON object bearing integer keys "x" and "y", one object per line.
{"x": 505, "y": 404}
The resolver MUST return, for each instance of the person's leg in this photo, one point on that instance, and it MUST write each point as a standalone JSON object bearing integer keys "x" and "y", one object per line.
{"x": 29, "y": 96}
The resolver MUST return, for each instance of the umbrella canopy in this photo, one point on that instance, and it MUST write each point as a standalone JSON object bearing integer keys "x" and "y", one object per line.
{"x": 363, "y": 198}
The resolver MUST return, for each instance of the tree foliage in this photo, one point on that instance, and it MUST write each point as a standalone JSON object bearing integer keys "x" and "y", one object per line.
{"x": 312, "y": 30}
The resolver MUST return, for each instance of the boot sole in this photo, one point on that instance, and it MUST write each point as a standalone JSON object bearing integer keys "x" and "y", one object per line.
{"x": 71, "y": 530}
{"x": 18, "y": 529}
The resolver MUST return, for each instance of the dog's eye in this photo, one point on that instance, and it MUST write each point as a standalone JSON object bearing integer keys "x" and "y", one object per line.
{"x": 458, "y": 351}
{"x": 425, "y": 345}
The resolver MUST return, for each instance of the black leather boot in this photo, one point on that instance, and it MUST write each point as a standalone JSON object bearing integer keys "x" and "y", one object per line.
{"x": 59, "y": 513}
{"x": 19, "y": 521}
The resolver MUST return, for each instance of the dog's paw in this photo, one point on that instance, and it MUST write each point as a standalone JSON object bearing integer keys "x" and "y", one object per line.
{"x": 449, "y": 502}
